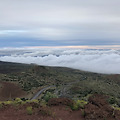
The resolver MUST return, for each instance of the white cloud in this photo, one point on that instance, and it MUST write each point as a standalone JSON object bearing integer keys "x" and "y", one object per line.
{"x": 100, "y": 61}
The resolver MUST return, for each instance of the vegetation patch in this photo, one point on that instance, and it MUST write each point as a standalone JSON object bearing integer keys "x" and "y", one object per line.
{"x": 45, "y": 111}
{"x": 29, "y": 110}
{"x": 48, "y": 96}
{"x": 78, "y": 104}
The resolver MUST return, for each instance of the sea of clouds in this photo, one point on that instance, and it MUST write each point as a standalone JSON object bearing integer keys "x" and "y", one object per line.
{"x": 94, "y": 60}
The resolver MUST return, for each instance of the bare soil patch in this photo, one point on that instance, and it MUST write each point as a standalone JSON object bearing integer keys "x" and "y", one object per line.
{"x": 10, "y": 90}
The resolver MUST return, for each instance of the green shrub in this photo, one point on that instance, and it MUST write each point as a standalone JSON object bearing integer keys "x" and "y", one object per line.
{"x": 112, "y": 100}
{"x": 28, "y": 101}
{"x": 8, "y": 102}
{"x": 78, "y": 104}
{"x": 74, "y": 106}
{"x": 35, "y": 101}
{"x": 43, "y": 103}
{"x": 117, "y": 108}
{"x": 81, "y": 103}
{"x": 1, "y": 105}
{"x": 48, "y": 96}
{"x": 29, "y": 110}
{"x": 18, "y": 101}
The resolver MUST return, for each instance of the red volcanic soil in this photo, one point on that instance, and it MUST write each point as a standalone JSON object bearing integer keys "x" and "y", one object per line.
{"x": 58, "y": 109}
{"x": 10, "y": 90}
{"x": 65, "y": 113}
{"x": 60, "y": 112}
{"x": 99, "y": 109}
{"x": 96, "y": 109}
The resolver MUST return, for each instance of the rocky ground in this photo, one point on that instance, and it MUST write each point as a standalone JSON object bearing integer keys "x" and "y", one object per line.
{"x": 99, "y": 109}
{"x": 59, "y": 109}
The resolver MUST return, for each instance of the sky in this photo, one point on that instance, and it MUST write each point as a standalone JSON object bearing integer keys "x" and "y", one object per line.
{"x": 59, "y": 23}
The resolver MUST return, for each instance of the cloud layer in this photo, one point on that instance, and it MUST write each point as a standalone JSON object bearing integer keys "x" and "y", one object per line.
{"x": 93, "y": 60}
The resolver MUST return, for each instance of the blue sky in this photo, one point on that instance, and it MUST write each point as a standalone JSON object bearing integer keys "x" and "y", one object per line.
{"x": 59, "y": 22}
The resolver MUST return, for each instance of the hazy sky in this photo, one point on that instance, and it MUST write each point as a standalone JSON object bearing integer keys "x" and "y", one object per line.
{"x": 59, "y": 22}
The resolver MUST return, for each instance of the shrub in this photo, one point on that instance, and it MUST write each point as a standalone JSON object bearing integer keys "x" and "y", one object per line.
{"x": 8, "y": 102}
{"x": 1, "y": 105}
{"x": 45, "y": 111}
{"x": 117, "y": 108}
{"x": 78, "y": 104}
{"x": 112, "y": 100}
{"x": 81, "y": 103}
{"x": 74, "y": 107}
{"x": 28, "y": 101}
{"x": 43, "y": 103}
{"x": 35, "y": 101}
{"x": 48, "y": 96}
{"x": 29, "y": 110}
{"x": 18, "y": 101}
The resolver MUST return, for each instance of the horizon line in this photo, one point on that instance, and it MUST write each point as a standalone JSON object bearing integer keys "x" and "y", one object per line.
{"x": 74, "y": 47}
